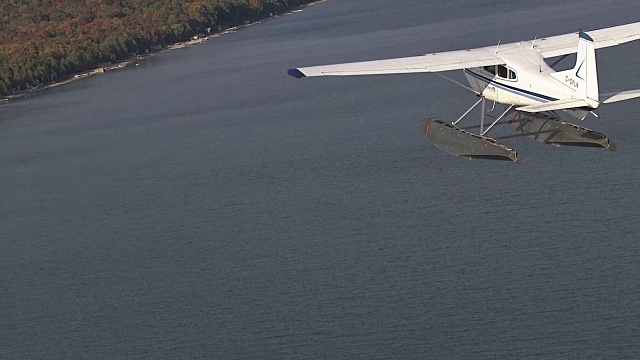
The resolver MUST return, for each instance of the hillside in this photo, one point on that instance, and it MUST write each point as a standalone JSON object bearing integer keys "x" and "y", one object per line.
{"x": 46, "y": 41}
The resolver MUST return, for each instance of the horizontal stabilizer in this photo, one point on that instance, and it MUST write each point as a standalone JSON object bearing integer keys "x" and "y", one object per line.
{"x": 556, "y": 105}
{"x": 620, "y": 96}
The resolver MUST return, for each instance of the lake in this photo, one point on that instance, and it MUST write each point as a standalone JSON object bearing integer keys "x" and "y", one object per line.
{"x": 206, "y": 205}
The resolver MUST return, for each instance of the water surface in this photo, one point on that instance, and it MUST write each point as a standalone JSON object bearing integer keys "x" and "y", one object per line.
{"x": 206, "y": 205}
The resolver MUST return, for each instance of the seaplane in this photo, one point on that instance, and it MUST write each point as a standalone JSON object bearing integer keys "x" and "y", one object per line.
{"x": 516, "y": 76}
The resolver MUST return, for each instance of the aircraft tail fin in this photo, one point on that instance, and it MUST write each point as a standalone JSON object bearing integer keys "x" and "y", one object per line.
{"x": 583, "y": 78}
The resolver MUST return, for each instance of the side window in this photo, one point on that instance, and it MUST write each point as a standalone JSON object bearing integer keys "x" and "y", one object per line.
{"x": 512, "y": 75}
{"x": 502, "y": 71}
{"x": 490, "y": 69}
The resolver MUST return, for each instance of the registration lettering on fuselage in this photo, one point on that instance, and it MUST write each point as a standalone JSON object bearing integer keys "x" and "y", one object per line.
{"x": 571, "y": 81}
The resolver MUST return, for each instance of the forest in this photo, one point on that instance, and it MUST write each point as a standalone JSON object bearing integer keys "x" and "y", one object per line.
{"x": 45, "y": 41}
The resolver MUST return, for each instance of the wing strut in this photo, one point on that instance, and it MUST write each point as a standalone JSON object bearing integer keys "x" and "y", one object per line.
{"x": 458, "y": 83}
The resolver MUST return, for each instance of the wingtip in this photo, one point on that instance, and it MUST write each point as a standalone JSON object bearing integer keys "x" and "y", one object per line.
{"x": 584, "y": 35}
{"x": 296, "y": 73}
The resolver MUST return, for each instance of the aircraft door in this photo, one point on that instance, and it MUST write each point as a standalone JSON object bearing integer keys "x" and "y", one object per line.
{"x": 508, "y": 78}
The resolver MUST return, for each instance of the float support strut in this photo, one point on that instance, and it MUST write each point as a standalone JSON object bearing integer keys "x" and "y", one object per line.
{"x": 496, "y": 121}
{"x": 469, "y": 110}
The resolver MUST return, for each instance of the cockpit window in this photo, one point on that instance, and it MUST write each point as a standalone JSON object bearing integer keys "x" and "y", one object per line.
{"x": 490, "y": 69}
{"x": 502, "y": 71}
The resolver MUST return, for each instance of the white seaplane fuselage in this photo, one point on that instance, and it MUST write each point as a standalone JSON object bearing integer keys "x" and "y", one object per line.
{"x": 523, "y": 81}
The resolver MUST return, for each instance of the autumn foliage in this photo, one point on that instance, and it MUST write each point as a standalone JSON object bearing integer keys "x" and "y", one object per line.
{"x": 43, "y": 41}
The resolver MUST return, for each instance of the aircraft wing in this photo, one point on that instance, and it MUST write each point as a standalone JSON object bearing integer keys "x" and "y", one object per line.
{"x": 472, "y": 58}
{"x": 444, "y": 61}
{"x": 567, "y": 44}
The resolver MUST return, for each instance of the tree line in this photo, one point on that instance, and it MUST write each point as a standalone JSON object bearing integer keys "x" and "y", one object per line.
{"x": 43, "y": 41}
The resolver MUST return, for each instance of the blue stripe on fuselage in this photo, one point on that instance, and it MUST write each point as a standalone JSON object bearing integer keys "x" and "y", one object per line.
{"x": 528, "y": 94}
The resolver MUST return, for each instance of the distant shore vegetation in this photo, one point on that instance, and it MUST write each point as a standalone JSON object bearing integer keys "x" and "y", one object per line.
{"x": 46, "y": 41}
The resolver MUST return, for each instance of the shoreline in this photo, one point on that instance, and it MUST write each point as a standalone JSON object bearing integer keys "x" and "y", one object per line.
{"x": 133, "y": 61}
